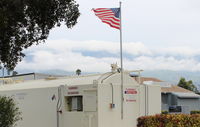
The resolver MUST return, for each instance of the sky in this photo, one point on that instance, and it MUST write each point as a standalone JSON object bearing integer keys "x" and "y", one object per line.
{"x": 157, "y": 35}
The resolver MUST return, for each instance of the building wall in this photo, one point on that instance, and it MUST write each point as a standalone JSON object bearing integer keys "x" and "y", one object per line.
{"x": 165, "y": 103}
{"x": 189, "y": 104}
{"x": 111, "y": 117}
{"x": 173, "y": 99}
{"x": 153, "y": 99}
{"x": 36, "y": 105}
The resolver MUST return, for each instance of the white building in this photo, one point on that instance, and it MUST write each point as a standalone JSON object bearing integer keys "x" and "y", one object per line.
{"x": 84, "y": 101}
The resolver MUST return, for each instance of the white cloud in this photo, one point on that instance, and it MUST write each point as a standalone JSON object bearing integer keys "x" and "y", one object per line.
{"x": 131, "y": 48}
{"x": 178, "y": 51}
{"x": 62, "y": 54}
{"x": 163, "y": 63}
{"x": 67, "y": 61}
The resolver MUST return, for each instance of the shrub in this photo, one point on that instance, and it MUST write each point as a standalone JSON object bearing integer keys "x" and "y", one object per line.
{"x": 164, "y": 112}
{"x": 195, "y": 112}
{"x": 9, "y": 113}
{"x": 169, "y": 120}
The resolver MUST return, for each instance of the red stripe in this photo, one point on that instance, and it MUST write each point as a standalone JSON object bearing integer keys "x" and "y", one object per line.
{"x": 97, "y": 9}
{"x": 117, "y": 20}
{"x": 104, "y": 15}
{"x": 111, "y": 18}
{"x": 111, "y": 25}
{"x": 110, "y": 13}
{"x": 112, "y": 22}
{"x": 102, "y": 11}
{"x": 107, "y": 16}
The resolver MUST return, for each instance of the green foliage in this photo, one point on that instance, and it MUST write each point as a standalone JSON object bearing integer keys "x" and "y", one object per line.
{"x": 195, "y": 112}
{"x": 9, "y": 113}
{"x": 164, "y": 112}
{"x": 27, "y": 22}
{"x": 78, "y": 71}
{"x": 187, "y": 85}
{"x": 169, "y": 120}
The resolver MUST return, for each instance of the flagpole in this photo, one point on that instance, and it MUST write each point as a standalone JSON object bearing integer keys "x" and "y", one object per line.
{"x": 121, "y": 61}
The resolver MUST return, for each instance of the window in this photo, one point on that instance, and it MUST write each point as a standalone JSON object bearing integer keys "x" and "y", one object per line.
{"x": 175, "y": 109}
{"x": 74, "y": 103}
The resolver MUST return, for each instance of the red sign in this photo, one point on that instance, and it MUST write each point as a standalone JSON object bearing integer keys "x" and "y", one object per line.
{"x": 128, "y": 100}
{"x": 130, "y": 91}
{"x": 72, "y": 88}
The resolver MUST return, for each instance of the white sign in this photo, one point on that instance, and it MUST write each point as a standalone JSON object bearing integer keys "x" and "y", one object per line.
{"x": 130, "y": 94}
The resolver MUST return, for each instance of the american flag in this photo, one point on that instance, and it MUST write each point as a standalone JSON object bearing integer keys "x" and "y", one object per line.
{"x": 110, "y": 16}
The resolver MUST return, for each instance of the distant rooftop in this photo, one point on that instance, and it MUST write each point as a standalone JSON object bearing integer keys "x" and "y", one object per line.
{"x": 165, "y": 86}
{"x": 186, "y": 95}
{"x": 143, "y": 79}
{"x": 174, "y": 88}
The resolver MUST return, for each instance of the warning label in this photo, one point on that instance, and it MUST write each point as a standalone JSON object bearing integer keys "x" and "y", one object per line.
{"x": 130, "y": 94}
{"x": 130, "y": 91}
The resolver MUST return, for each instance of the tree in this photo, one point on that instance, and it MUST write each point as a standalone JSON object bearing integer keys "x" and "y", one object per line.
{"x": 187, "y": 85}
{"x": 78, "y": 72}
{"x": 24, "y": 23}
{"x": 14, "y": 73}
{"x": 9, "y": 113}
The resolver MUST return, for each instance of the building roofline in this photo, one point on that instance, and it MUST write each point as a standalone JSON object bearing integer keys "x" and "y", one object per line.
{"x": 9, "y": 76}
